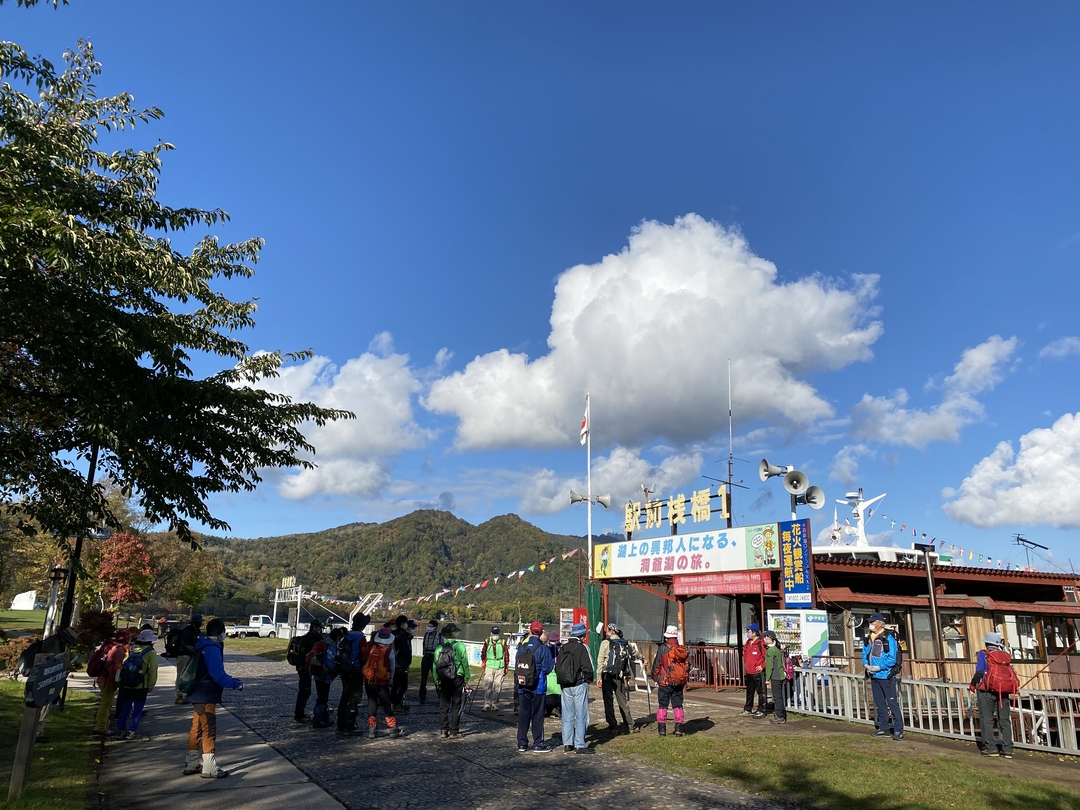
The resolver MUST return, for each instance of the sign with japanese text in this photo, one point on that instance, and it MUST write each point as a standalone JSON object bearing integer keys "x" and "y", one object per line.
{"x": 742, "y": 549}
{"x": 796, "y": 575}
{"x": 652, "y": 512}
{"x": 46, "y": 680}
{"x": 725, "y": 582}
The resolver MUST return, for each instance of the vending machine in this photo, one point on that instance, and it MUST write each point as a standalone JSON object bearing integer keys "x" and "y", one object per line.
{"x": 803, "y": 633}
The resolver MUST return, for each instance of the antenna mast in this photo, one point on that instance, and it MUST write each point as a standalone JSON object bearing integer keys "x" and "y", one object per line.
{"x": 731, "y": 445}
{"x": 1028, "y": 546}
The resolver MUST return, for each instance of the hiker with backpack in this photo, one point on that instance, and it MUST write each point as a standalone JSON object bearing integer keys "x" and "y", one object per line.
{"x": 671, "y": 671}
{"x": 615, "y": 665}
{"x": 210, "y": 680}
{"x": 182, "y": 647}
{"x": 451, "y": 672}
{"x": 103, "y": 665}
{"x": 432, "y": 641}
{"x": 136, "y": 677}
{"x": 995, "y": 682}
{"x": 404, "y": 627}
{"x": 882, "y": 660}
{"x": 775, "y": 674}
{"x": 379, "y": 670}
{"x": 349, "y": 663}
{"x": 753, "y": 655}
{"x": 574, "y": 671}
{"x": 530, "y": 682}
{"x": 320, "y": 663}
{"x": 297, "y": 654}
{"x": 494, "y": 663}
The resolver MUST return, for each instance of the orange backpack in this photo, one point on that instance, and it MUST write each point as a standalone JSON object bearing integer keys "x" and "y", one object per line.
{"x": 678, "y": 668}
{"x": 377, "y": 668}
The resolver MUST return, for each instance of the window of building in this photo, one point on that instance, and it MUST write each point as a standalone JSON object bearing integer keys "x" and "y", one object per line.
{"x": 953, "y": 635}
{"x": 923, "y": 629}
{"x": 1022, "y": 638}
{"x": 895, "y": 620}
{"x": 1056, "y": 635}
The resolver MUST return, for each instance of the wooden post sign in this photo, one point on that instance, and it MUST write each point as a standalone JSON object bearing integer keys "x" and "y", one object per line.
{"x": 46, "y": 680}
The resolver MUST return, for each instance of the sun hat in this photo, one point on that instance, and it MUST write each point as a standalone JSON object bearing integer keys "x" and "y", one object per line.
{"x": 147, "y": 637}
{"x": 578, "y": 630}
{"x": 671, "y": 631}
{"x": 996, "y": 639}
{"x": 384, "y": 637}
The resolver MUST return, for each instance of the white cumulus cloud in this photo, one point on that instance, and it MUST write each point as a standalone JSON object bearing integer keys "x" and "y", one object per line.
{"x": 1036, "y": 485}
{"x": 648, "y": 331}
{"x": 353, "y": 456}
{"x": 887, "y": 420}
{"x": 1062, "y": 347}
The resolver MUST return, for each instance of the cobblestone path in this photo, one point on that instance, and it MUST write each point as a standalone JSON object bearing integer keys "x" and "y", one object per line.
{"x": 482, "y": 770}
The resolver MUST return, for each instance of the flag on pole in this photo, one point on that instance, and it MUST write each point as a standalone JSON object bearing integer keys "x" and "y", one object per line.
{"x": 585, "y": 424}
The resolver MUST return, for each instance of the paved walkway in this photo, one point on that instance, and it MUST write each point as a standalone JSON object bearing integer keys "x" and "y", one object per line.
{"x": 278, "y": 763}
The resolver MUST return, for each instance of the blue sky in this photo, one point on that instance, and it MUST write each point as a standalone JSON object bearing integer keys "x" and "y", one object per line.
{"x": 475, "y": 214}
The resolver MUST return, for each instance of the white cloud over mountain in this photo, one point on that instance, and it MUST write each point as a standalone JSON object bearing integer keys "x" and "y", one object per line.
{"x": 886, "y": 420}
{"x": 648, "y": 332}
{"x": 354, "y": 456}
{"x": 1036, "y": 485}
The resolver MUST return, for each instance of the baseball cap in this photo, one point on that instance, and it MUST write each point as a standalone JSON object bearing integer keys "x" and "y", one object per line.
{"x": 755, "y": 627}
{"x": 494, "y": 631}
{"x": 876, "y": 617}
{"x": 536, "y": 628}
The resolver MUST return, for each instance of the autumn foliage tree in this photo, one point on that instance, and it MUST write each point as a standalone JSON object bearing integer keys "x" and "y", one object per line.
{"x": 125, "y": 570}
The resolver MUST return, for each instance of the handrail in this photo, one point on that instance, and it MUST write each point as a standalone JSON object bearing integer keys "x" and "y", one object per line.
{"x": 1043, "y": 720}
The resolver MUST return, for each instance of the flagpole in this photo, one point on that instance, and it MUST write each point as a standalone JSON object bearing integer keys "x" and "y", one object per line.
{"x": 588, "y": 478}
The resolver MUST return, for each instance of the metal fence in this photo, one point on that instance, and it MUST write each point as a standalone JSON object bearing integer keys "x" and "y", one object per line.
{"x": 715, "y": 668}
{"x": 1041, "y": 720}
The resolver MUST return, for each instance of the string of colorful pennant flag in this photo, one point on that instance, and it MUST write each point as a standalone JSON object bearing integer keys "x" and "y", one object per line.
{"x": 451, "y": 593}
{"x": 954, "y": 550}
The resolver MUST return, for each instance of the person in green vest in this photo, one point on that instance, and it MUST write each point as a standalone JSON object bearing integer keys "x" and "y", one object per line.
{"x": 451, "y": 674}
{"x": 494, "y": 663}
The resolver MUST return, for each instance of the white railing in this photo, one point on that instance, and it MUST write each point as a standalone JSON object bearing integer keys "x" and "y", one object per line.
{"x": 1041, "y": 720}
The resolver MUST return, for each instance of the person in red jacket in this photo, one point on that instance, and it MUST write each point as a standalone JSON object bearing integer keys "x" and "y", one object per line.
{"x": 753, "y": 656}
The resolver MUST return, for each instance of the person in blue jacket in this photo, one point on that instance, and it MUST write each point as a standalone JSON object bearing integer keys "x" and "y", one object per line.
{"x": 881, "y": 658}
{"x": 212, "y": 680}
{"x": 531, "y": 701}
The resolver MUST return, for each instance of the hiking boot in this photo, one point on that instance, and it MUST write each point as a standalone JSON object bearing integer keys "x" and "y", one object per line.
{"x": 371, "y": 733}
{"x": 986, "y": 752}
{"x": 210, "y": 769}
{"x": 444, "y": 734}
{"x": 455, "y": 735}
{"x": 746, "y": 713}
{"x": 678, "y": 730}
{"x": 898, "y": 736}
{"x": 303, "y": 718}
{"x": 193, "y": 764}
{"x": 661, "y": 729}
{"x": 541, "y": 748}
{"x": 635, "y": 729}
{"x": 131, "y": 735}
{"x": 397, "y": 732}
{"x": 522, "y": 749}
{"x": 568, "y": 749}
{"x": 1006, "y": 756}
{"x": 880, "y": 733}
{"x": 758, "y": 715}
{"x": 779, "y": 721}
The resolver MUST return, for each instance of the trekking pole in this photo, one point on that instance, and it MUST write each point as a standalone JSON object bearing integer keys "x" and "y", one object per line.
{"x": 1048, "y": 663}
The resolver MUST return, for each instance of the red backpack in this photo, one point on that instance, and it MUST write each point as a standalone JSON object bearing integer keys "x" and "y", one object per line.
{"x": 1000, "y": 677}
{"x": 678, "y": 668}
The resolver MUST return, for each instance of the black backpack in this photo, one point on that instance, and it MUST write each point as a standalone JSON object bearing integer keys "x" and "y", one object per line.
{"x": 295, "y": 654}
{"x": 888, "y": 638}
{"x": 567, "y": 667}
{"x": 172, "y": 643}
{"x": 343, "y": 660}
{"x": 527, "y": 674}
{"x": 618, "y": 659}
{"x": 445, "y": 665}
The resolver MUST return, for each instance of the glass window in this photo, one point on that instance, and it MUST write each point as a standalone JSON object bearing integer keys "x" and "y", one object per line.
{"x": 895, "y": 620}
{"x": 1056, "y": 634}
{"x": 953, "y": 635}
{"x": 1021, "y": 636}
{"x": 924, "y": 635}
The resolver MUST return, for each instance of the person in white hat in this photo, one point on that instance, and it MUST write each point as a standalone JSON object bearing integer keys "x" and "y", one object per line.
{"x": 671, "y": 671}
{"x": 994, "y": 682}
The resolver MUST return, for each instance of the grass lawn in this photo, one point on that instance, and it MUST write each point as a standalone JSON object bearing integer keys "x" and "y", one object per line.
{"x": 22, "y": 620}
{"x": 272, "y": 648}
{"x": 844, "y": 772}
{"x": 62, "y": 769}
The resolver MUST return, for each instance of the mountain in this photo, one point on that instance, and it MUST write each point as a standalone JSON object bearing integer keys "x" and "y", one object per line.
{"x": 409, "y": 557}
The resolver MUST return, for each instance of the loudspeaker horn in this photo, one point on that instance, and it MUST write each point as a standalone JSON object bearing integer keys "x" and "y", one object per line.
{"x": 767, "y": 470}
{"x": 604, "y": 500}
{"x": 575, "y": 498}
{"x": 796, "y": 482}
{"x": 815, "y": 497}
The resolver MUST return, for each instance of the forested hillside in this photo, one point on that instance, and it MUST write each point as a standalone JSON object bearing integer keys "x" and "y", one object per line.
{"x": 411, "y": 556}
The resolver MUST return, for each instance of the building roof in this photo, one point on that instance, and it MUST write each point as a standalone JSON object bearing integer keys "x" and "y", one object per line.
{"x": 946, "y": 571}
{"x": 846, "y": 597}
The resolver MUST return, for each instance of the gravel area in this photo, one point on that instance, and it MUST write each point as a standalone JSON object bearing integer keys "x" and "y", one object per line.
{"x": 481, "y": 770}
